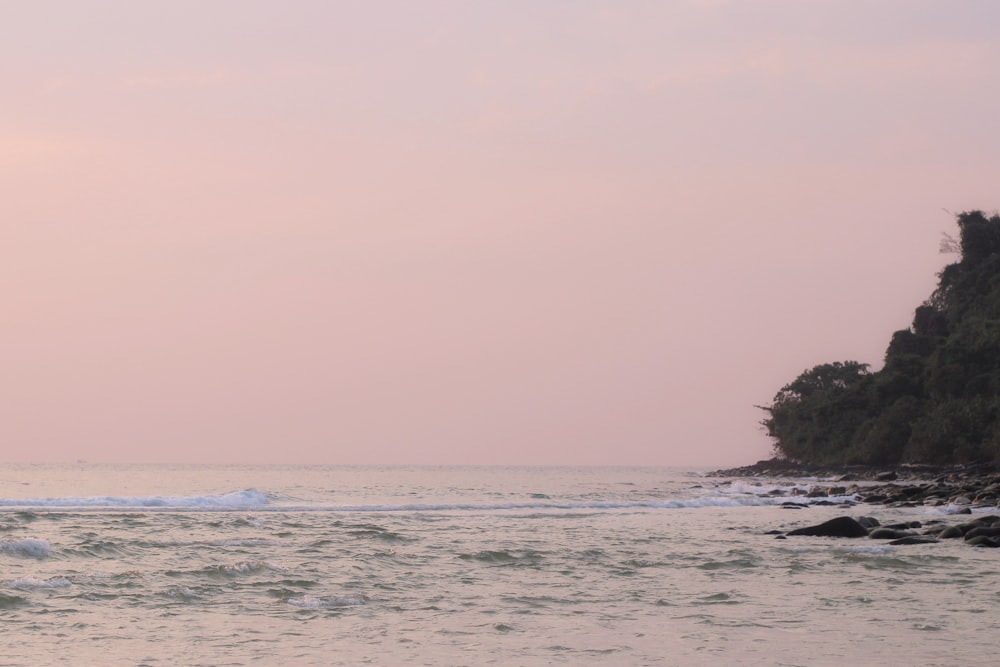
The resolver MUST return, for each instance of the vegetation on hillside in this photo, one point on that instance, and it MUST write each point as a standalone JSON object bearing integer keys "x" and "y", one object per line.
{"x": 936, "y": 399}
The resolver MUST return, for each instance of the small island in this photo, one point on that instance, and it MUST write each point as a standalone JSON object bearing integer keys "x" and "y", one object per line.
{"x": 936, "y": 400}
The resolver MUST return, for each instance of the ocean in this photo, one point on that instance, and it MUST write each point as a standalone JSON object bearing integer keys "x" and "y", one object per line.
{"x": 328, "y": 565}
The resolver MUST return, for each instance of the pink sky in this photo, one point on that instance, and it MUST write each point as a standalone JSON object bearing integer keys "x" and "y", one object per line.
{"x": 467, "y": 232}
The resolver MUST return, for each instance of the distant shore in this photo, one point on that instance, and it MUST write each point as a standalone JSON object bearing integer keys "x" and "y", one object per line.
{"x": 968, "y": 486}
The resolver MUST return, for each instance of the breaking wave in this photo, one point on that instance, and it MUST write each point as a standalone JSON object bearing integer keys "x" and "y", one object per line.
{"x": 28, "y": 548}
{"x": 233, "y": 500}
{"x": 311, "y": 602}
{"x": 31, "y": 582}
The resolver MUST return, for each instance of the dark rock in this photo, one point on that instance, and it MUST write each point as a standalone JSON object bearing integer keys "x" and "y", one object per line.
{"x": 887, "y": 533}
{"x": 869, "y": 522}
{"x": 904, "y": 525}
{"x": 950, "y": 532}
{"x": 988, "y": 531}
{"x": 842, "y": 526}
{"x": 914, "y": 539}
{"x": 983, "y": 541}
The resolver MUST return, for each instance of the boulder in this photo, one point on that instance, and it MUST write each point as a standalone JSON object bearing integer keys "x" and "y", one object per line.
{"x": 868, "y": 522}
{"x": 984, "y": 541}
{"x": 842, "y": 526}
{"x": 950, "y": 532}
{"x": 914, "y": 539}
{"x": 889, "y": 533}
{"x": 988, "y": 531}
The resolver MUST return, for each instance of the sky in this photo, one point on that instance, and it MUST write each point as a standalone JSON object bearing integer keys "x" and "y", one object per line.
{"x": 522, "y": 232}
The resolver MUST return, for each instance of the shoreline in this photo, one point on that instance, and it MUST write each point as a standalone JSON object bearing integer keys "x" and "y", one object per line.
{"x": 974, "y": 485}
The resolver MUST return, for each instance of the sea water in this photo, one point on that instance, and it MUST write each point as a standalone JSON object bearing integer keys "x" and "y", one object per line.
{"x": 310, "y": 565}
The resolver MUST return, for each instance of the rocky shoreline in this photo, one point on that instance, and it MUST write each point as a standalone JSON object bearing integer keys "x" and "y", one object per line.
{"x": 963, "y": 488}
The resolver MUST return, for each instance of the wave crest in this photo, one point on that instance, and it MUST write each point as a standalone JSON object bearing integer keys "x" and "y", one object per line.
{"x": 27, "y": 548}
{"x": 31, "y": 582}
{"x": 311, "y": 602}
{"x": 234, "y": 499}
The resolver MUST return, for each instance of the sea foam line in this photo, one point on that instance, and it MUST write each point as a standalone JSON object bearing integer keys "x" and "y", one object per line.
{"x": 31, "y": 582}
{"x": 251, "y": 499}
{"x": 248, "y": 498}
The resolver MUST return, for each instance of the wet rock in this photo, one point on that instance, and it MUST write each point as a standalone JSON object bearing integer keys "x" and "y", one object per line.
{"x": 988, "y": 531}
{"x": 950, "y": 532}
{"x": 842, "y": 526}
{"x": 983, "y": 541}
{"x": 914, "y": 539}
{"x": 887, "y": 533}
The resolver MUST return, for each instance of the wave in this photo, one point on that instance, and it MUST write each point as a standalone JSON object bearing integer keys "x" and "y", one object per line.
{"x": 31, "y": 582}
{"x": 705, "y": 501}
{"x": 29, "y": 548}
{"x": 246, "y": 567}
{"x": 179, "y": 593}
{"x": 228, "y": 570}
{"x": 247, "y": 498}
{"x": 735, "y": 496}
{"x": 310, "y": 602}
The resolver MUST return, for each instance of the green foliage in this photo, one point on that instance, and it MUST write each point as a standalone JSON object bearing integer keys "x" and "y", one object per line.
{"x": 956, "y": 430}
{"x": 814, "y": 416}
{"x": 936, "y": 399}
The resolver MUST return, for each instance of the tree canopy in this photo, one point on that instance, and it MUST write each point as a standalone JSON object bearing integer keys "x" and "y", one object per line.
{"x": 936, "y": 398}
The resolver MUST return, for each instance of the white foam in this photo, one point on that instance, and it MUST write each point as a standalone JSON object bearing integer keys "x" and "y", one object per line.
{"x": 310, "y": 602}
{"x": 876, "y": 549}
{"x": 31, "y": 582}
{"x": 180, "y": 592}
{"x": 30, "y": 547}
{"x": 737, "y": 495}
{"x": 742, "y": 487}
{"x": 705, "y": 501}
{"x": 251, "y": 542}
{"x": 248, "y": 566}
{"x": 232, "y": 500}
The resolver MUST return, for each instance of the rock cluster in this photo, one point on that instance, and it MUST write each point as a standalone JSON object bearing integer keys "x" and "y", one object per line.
{"x": 964, "y": 487}
{"x": 982, "y": 531}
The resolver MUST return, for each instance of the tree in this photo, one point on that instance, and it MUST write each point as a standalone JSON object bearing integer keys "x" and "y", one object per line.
{"x": 813, "y": 417}
{"x": 936, "y": 399}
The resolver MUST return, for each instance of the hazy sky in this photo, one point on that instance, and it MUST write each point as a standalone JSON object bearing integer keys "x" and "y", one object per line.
{"x": 539, "y": 232}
